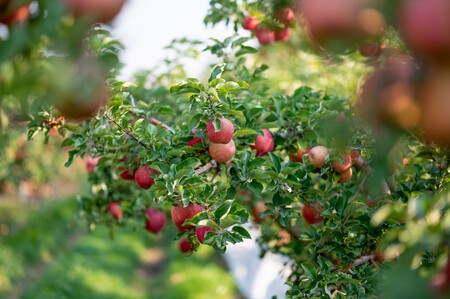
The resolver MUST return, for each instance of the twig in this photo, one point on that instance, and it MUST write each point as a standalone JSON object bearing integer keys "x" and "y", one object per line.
{"x": 214, "y": 177}
{"x": 157, "y": 122}
{"x": 360, "y": 187}
{"x": 361, "y": 260}
{"x": 129, "y": 133}
{"x": 206, "y": 167}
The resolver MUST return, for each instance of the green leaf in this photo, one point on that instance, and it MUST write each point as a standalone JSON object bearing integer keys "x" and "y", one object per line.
{"x": 72, "y": 155}
{"x": 341, "y": 205}
{"x": 242, "y": 231}
{"x": 275, "y": 161}
{"x": 223, "y": 210}
{"x": 243, "y": 132}
{"x": 216, "y": 71}
{"x": 245, "y": 50}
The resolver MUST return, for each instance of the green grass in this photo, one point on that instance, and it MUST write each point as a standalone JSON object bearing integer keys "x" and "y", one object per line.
{"x": 69, "y": 262}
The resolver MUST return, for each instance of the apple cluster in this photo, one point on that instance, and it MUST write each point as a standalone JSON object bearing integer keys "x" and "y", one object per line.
{"x": 266, "y": 34}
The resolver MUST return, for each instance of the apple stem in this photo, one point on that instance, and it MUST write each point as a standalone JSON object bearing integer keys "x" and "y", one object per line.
{"x": 129, "y": 133}
{"x": 206, "y": 167}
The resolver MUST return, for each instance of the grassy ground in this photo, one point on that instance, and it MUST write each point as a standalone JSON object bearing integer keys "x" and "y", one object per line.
{"x": 45, "y": 253}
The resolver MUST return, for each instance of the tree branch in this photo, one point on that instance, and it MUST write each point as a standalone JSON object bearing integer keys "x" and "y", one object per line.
{"x": 206, "y": 167}
{"x": 157, "y": 122}
{"x": 361, "y": 260}
{"x": 128, "y": 132}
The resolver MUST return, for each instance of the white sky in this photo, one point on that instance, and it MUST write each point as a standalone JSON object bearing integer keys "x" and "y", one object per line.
{"x": 145, "y": 27}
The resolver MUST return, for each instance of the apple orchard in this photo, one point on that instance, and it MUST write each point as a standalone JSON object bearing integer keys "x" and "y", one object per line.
{"x": 351, "y": 183}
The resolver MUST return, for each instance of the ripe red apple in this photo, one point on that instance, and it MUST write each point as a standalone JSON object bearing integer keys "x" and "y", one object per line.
{"x": 440, "y": 284}
{"x": 425, "y": 25}
{"x": 311, "y": 214}
{"x": 143, "y": 176}
{"x": 115, "y": 210}
{"x": 264, "y": 143}
{"x": 298, "y": 156}
{"x": 185, "y": 246}
{"x": 344, "y": 166}
{"x": 371, "y": 49}
{"x": 225, "y": 133}
{"x": 194, "y": 140}
{"x": 222, "y": 153}
{"x": 317, "y": 156}
{"x": 156, "y": 220}
{"x": 91, "y": 163}
{"x": 250, "y": 23}
{"x": 285, "y": 16}
{"x": 80, "y": 90}
{"x": 181, "y": 214}
{"x": 258, "y": 208}
{"x": 265, "y": 35}
{"x": 19, "y": 15}
{"x": 282, "y": 34}
{"x": 387, "y": 96}
{"x": 434, "y": 97}
{"x": 103, "y": 11}
{"x": 346, "y": 176}
{"x": 126, "y": 174}
{"x": 200, "y": 232}
{"x": 371, "y": 22}
{"x": 328, "y": 22}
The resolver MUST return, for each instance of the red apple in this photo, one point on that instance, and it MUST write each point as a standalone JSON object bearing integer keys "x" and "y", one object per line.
{"x": 371, "y": 22}
{"x": 250, "y": 23}
{"x": 387, "y": 96}
{"x": 328, "y": 22}
{"x": 257, "y": 209}
{"x": 115, "y": 210}
{"x": 285, "y": 16}
{"x": 346, "y": 176}
{"x": 265, "y": 35}
{"x": 143, "y": 176}
{"x": 19, "y": 15}
{"x": 156, "y": 220}
{"x": 298, "y": 156}
{"x": 371, "y": 49}
{"x": 282, "y": 34}
{"x": 222, "y": 153}
{"x": 181, "y": 214}
{"x": 440, "y": 284}
{"x": 80, "y": 91}
{"x": 344, "y": 166}
{"x": 434, "y": 97}
{"x": 194, "y": 140}
{"x": 201, "y": 232}
{"x": 425, "y": 25}
{"x": 311, "y": 214}
{"x": 264, "y": 143}
{"x": 185, "y": 246}
{"x": 126, "y": 174}
{"x": 225, "y": 133}
{"x": 317, "y": 156}
{"x": 103, "y": 11}
{"x": 91, "y": 163}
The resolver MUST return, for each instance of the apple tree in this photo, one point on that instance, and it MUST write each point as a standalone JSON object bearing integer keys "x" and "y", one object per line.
{"x": 349, "y": 184}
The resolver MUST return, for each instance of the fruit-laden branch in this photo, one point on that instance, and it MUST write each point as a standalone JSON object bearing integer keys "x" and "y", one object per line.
{"x": 128, "y": 132}
{"x": 206, "y": 167}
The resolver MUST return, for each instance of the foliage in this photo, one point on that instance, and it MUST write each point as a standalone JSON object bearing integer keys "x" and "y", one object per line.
{"x": 394, "y": 209}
